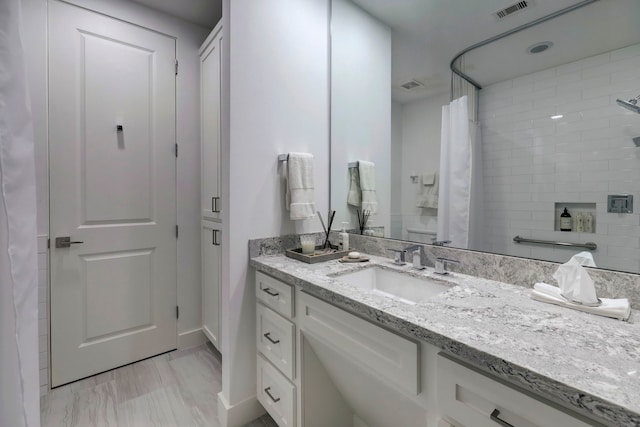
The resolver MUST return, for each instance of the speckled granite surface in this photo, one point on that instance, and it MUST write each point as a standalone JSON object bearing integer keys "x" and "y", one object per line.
{"x": 588, "y": 363}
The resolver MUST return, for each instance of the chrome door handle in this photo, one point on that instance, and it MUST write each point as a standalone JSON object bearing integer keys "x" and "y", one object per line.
{"x": 268, "y": 336}
{"x": 273, "y": 294}
{"x": 495, "y": 416}
{"x": 214, "y": 205}
{"x": 214, "y": 240}
{"x": 65, "y": 242}
{"x": 275, "y": 399}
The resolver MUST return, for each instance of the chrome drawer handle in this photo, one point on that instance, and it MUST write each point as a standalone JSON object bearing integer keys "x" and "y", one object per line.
{"x": 275, "y": 399}
{"x": 495, "y": 416}
{"x": 273, "y": 294}
{"x": 268, "y": 336}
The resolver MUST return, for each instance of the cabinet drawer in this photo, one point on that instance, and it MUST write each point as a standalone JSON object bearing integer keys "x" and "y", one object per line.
{"x": 276, "y": 393}
{"x": 276, "y": 339}
{"x": 471, "y": 399}
{"x": 275, "y": 294}
{"x": 390, "y": 356}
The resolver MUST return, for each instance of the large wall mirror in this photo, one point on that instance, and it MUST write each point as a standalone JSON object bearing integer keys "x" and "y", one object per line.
{"x": 553, "y": 126}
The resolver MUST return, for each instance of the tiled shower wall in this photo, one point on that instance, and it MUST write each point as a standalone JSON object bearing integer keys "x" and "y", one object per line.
{"x": 532, "y": 161}
{"x": 43, "y": 322}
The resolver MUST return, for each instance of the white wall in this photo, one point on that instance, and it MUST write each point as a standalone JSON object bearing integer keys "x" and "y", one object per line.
{"x": 360, "y": 106}
{"x": 277, "y": 103}
{"x": 532, "y": 162}
{"x": 421, "y": 123}
{"x": 188, "y": 39}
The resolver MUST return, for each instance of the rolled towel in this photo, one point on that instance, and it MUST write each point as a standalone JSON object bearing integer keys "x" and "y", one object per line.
{"x": 616, "y": 308}
{"x": 299, "y": 197}
{"x": 367, "y": 171}
{"x": 354, "y": 197}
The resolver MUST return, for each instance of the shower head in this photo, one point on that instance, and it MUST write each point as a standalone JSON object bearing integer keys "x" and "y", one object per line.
{"x": 631, "y": 105}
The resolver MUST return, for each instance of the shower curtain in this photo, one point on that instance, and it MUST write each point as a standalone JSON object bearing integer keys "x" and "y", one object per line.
{"x": 455, "y": 174}
{"x": 19, "y": 386}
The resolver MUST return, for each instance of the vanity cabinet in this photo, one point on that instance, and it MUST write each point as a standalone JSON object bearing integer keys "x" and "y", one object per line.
{"x": 468, "y": 398}
{"x": 210, "y": 124}
{"x": 320, "y": 365}
{"x": 276, "y": 345}
{"x": 211, "y": 252}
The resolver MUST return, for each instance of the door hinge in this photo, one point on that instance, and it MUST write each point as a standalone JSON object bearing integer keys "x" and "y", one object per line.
{"x": 176, "y": 150}
{"x": 48, "y": 243}
{"x": 176, "y": 231}
{"x": 176, "y": 67}
{"x": 177, "y": 312}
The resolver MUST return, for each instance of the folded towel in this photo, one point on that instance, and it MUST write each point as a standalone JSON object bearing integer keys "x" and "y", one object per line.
{"x": 354, "y": 197}
{"x": 367, "y": 171}
{"x": 299, "y": 196}
{"x": 427, "y": 194}
{"x": 616, "y": 308}
{"x": 428, "y": 178}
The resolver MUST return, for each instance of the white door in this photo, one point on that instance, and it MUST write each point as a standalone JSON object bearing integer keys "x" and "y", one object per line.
{"x": 211, "y": 262}
{"x": 210, "y": 124}
{"x": 112, "y": 190}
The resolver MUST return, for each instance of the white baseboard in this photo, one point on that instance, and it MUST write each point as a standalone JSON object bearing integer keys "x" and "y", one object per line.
{"x": 239, "y": 414}
{"x": 191, "y": 338}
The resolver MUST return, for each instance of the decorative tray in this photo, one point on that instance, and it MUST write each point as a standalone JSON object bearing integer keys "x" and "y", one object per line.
{"x": 320, "y": 255}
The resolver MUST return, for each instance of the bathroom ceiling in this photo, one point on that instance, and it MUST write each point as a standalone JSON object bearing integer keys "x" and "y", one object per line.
{"x": 201, "y": 12}
{"x": 429, "y": 33}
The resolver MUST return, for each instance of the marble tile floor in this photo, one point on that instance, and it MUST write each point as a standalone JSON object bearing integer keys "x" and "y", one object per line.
{"x": 174, "y": 389}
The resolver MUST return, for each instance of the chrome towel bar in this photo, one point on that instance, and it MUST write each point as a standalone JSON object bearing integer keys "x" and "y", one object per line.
{"x": 589, "y": 245}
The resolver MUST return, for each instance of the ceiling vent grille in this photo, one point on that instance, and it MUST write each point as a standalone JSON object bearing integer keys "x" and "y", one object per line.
{"x": 412, "y": 85}
{"x": 509, "y": 10}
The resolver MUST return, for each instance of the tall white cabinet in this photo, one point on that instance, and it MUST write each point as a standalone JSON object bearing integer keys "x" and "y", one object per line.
{"x": 211, "y": 202}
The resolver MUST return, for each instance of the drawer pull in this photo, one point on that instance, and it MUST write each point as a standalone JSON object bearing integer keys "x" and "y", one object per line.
{"x": 495, "y": 416}
{"x": 268, "y": 336}
{"x": 273, "y": 294}
{"x": 275, "y": 399}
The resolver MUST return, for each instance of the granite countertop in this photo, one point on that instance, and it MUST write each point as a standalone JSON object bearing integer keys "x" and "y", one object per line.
{"x": 585, "y": 362}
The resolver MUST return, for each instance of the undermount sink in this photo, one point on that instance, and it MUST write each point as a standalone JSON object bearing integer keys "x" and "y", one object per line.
{"x": 393, "y": 284}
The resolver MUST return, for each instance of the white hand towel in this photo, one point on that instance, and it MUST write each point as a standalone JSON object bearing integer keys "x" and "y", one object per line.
{"x": 367, "y": 171}
{"x": 354, "y": 197}
{"x": 616, "y": 308}
{"x": 299, "y": 195}
{"x": 427, "y": 194}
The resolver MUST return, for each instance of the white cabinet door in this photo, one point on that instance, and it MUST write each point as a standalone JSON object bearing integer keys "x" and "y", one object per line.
{"x": 210, "y": 79}
{"x": 113, "y": 192}
{"x": 211, "y": 263}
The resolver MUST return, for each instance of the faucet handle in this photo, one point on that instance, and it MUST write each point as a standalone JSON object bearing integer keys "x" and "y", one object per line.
{"x": 399, "y": 256}
{"x": 441, "y": 265}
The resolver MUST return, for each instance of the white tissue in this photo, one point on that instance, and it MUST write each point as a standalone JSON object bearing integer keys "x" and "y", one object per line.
{"x": 574, "y": 281}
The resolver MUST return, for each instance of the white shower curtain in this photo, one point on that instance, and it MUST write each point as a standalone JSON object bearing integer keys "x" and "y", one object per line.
{"x": 455, "y": 174}
{"x": 19, "y": 383}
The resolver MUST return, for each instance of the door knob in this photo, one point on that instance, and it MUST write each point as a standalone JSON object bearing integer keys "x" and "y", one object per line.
{"x": 65, "y": 242}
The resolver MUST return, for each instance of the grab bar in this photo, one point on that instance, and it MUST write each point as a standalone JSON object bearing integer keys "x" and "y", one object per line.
{"x": 589, "y": 245}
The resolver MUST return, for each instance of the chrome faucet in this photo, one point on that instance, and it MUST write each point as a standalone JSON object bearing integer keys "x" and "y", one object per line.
{"x": 441, "y": 265}
{"x": 417, "y": 248}
{"x": 398, "y": 258}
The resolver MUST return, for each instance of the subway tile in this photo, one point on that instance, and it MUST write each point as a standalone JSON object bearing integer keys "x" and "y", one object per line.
{"x": 582, "y": 64}
{"x": 44, "y": 376}
{"x": 42, "y": 261}
{"x": 556, "y": 81}
{"x": 578, "y": 86}
{"x": 43, "y": 360}
{"x": 42, "y": 343}
{"x": 44, "y": 390}
{"x": 42, "y": 311}
{"x": 625, "y": 52}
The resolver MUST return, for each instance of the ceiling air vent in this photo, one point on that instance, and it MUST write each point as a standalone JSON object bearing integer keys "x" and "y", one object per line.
{"x": 503, "y": 13}
{"x": 412, "y": 84}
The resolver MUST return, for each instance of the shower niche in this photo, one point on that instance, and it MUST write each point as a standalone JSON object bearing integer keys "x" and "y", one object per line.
{"x": 583, "y": 216}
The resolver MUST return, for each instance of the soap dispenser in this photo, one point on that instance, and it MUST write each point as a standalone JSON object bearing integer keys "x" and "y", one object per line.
{"x": 565, "y": 221}
{"x": 344, "y": 237}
